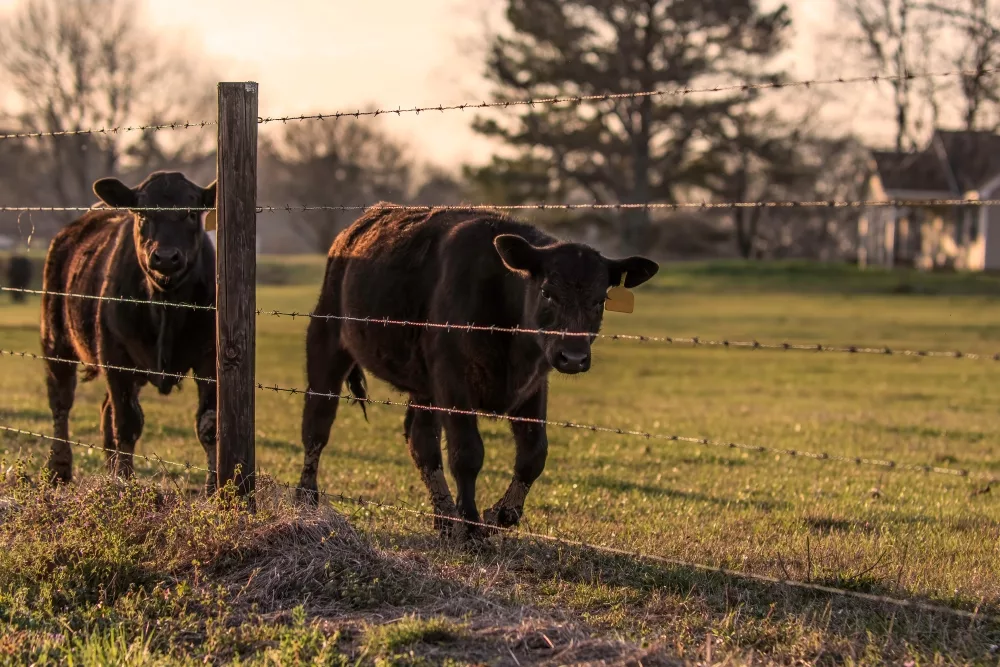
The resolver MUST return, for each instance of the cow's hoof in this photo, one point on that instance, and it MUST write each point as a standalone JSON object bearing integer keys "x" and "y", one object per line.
{"x": 502, "y": 517}
{"x": 456, "y": 530}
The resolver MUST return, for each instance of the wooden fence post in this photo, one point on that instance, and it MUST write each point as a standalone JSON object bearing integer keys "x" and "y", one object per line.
{"x": 236, "y": 278}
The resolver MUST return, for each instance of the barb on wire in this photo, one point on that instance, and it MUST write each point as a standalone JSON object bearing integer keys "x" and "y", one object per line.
{"x": 109, "y": 130}
{"x": 607, "y": 97}
{"x": 694, "y": 341}
{"x": 39, "y": 357}
{"x": 118, "y": 299}
{"x": 761, "y": 449}
{"x": 101, "y": 207}
{"x": 706, "y": 205}
{"x": 360, "y": 501}
{"x": 87, "y": 445}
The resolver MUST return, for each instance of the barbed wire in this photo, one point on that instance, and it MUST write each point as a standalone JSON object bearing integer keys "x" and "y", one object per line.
{"x": 39, "y": 357}
{"x": 607, "y": 97}
{"x": 760, "y": 449}
{"x": 705, "y": 205}
{"x": 671, "y": 206}
{"x": 694, "y": 341}
{"x": 559, "y": 99}
{"x": 79, "y": 443}
{"x": 81, "y": 209}
{"x": 520, "y": 533}
{"x": 117, "y": 299}
{"x": 109, "y": 130}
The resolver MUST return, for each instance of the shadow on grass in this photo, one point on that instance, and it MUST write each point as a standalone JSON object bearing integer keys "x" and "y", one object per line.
{"x": 872, "y": 525}
{"x": 622, "y": 486}
{"x": 626, "y": 591}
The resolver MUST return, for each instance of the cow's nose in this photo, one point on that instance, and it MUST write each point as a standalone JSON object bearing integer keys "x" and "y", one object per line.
{"x": 572, "y": 362}
{"x": 166, "y": 259}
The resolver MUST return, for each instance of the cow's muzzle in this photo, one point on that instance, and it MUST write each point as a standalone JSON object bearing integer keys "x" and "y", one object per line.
{"x": 166, "y": 261}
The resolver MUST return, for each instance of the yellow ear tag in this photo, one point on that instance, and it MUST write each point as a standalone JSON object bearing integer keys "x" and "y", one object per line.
{"x": 211, "y": 221}
{"x": 620, "y": 300}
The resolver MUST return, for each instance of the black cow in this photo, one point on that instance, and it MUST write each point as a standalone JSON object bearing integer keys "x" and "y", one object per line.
{"x": 18, "y": 276}
{"x": 158, "y": 256}
{"x": 459, "y": 267}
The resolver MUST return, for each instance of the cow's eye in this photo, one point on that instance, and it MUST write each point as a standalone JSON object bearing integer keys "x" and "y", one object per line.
{"x": 547, "y": 295}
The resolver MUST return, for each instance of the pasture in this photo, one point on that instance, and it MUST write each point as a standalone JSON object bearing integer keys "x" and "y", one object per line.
{"x": 380, "y": 586}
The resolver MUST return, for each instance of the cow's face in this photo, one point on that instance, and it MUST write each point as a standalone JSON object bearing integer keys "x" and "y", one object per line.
{"x": 566, "y": 286}
{"x": 168, "y": 243}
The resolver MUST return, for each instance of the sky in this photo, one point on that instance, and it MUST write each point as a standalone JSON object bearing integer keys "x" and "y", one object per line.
{"x": 334, "y": 55}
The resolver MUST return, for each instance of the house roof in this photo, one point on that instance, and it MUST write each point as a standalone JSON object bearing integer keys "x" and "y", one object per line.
{"x": 974, "y": 157}
{"x": 911, "y": 171}
{"x": 955, "y": 162}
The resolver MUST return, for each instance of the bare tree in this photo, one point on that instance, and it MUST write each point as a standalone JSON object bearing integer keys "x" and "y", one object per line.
{"x": 976, "y": 26}
{"x": 80, "y": 64}
{"x": 337, "y": 162}
{"x": 892, "y": 34}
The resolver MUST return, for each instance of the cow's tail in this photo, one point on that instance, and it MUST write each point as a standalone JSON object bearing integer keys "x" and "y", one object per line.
{"x": 358, "y": 385}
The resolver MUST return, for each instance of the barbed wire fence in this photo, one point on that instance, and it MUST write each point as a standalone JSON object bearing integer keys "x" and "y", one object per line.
{"x": 521, "y": 534}
{"x": 236, "y": 313}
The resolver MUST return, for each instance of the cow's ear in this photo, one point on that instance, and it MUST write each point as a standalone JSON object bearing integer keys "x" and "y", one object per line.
{"x": 208, "y": 195}
{"x": 637, "y": 270}
{"x": 114, "y": 193}
{"x": 518, "y": 255}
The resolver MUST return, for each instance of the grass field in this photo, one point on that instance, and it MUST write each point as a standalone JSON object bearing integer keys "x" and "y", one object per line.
{"x": 381, "y": 587}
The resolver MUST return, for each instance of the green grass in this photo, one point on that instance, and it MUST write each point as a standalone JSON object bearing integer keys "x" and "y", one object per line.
{"x": 926, "y": 537}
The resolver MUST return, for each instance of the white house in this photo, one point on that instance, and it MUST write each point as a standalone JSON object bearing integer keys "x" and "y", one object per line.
{"x": 955, "y": 165}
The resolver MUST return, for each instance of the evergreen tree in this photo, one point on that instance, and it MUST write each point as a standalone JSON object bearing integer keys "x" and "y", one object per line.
{"x": 628, "y": 150}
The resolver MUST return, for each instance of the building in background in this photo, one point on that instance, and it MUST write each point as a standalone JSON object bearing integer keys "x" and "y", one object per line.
{"x": 955, "y": 165}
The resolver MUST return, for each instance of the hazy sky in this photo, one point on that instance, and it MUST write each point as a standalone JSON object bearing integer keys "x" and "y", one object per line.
{"x": 329, "y": 55}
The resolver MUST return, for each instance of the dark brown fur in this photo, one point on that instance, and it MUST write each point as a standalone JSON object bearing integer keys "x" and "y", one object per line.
{"x": 18, "y": 276}
{"x": 131, "y": 255}
{"x": 459, "y": 267}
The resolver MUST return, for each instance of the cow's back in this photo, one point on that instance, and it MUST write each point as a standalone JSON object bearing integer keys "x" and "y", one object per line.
{"x": 396, "y": 265}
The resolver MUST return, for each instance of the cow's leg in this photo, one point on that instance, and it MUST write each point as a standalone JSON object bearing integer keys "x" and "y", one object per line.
{"x": 205, "y": 417}
{"x": 423, "y": 438}
{"x": 529, "y": 461}
{"x": 108, "y": 429}
{"x": 126, "y": 421}
{"x": 60, "y": 381}
{"x": 327, "y": 366}
{"x": 465, "y": 459}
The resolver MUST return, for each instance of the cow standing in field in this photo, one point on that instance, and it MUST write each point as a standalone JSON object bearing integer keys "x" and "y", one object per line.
{"x": 459, "y": 267}
{"x": 151, "y": 256}
{"x": 18, "y": 276}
